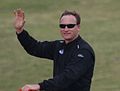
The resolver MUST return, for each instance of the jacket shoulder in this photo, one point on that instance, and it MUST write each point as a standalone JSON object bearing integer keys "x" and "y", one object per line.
{"x": 84, "y": 45}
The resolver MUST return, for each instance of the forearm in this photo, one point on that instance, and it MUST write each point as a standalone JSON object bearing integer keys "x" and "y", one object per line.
{"x": 36, "y": 48}
{"x": 28, "y": 43}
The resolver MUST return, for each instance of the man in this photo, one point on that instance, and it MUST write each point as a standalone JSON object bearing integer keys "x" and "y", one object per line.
{"x": 73, "y": 57}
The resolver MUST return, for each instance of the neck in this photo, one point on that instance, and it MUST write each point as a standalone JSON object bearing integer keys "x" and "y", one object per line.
{"x": 68, "y": 41}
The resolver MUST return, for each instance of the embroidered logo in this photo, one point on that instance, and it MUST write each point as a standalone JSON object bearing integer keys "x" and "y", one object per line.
{"x": 78, "y": 46}
{"x": 61, "y": 51}
{"x": 80, "y": 55}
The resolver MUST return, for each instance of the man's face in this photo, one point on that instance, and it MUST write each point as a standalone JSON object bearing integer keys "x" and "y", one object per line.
{"x": 68, "y": 28}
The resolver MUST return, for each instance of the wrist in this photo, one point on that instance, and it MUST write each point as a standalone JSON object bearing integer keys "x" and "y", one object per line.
{"x": 18, "y": 31}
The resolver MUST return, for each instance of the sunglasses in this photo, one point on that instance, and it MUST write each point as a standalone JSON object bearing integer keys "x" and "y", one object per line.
{"x": 68, "y": 25}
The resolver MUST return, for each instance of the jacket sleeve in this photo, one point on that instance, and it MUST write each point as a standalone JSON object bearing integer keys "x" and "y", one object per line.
{"x": 75, "y": 69}
{"x": 36, "y": 48}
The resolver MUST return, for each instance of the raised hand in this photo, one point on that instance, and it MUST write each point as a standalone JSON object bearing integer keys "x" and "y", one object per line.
{"x": 19, "y": 20}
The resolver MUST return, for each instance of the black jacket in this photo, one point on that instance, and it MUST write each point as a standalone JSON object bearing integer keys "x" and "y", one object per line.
{"x": 73, "y": 62}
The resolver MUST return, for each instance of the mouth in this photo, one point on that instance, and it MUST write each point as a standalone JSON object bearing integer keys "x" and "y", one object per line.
{"x": 66, "y": 34}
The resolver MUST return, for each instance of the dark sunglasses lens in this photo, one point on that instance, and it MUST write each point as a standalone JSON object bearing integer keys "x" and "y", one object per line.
{"x": 62, "y": 25}
{"x": 71, "y": 25}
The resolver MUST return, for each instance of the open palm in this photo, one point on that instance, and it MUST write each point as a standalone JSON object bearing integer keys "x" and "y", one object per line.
{"x": 19, "y": 20}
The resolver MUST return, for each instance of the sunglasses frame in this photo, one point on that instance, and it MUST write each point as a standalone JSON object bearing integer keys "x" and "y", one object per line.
{"x": 63, "y": 26}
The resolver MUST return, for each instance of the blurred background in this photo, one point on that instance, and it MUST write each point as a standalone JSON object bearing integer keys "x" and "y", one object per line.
{"x": 100, "y": 26}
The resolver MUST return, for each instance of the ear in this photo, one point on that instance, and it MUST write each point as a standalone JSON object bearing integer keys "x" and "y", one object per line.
{"x": 78, "y": 27}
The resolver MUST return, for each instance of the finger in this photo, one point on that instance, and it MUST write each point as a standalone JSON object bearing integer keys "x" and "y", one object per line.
{"x": 31, "y": 88}
{"x": 23, "y": 14}
{"x": 19, "y": 13}
{"x": 15, "y": 12}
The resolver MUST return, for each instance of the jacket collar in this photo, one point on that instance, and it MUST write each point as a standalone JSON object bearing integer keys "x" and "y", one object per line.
{"x": 74, "y": 42}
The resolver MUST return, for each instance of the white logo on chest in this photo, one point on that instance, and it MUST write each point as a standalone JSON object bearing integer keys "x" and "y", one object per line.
{"x": 80, "y": 55}
{"x": 61, "y": 51}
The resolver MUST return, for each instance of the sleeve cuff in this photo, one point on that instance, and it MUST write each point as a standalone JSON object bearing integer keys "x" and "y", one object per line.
{"x": 20, "y": 33}
{"x": 41, "y": 86}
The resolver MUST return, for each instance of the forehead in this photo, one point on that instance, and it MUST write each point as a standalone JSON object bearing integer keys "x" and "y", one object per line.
{"x": 68, "y": 19}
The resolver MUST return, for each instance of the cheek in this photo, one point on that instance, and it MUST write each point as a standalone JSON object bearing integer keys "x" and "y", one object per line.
{"x": 61, "y": 32}
{"x": 74, "y": 33}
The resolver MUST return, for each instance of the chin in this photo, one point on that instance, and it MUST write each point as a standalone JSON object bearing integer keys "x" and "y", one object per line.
{"x": 67, "y": 38}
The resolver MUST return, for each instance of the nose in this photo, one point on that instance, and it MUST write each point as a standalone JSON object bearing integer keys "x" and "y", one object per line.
{"x": 66, "y": 28}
